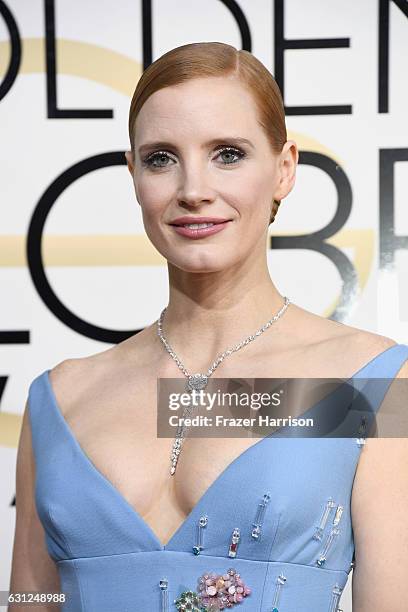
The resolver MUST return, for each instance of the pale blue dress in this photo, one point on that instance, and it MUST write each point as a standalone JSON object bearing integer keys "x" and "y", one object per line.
{"x": 110, "y": 560}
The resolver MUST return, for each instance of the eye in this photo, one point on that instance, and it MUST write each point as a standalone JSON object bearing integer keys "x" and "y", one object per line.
{"x": 232, "y": 151}
{"x": 158, "y": 155}
{"x": 159, "y": 159}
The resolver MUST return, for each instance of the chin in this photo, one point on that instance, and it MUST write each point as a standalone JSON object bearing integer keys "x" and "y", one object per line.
{"x": 211, "y": 265}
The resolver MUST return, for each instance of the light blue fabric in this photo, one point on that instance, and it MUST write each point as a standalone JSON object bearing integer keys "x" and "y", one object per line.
{"x": 109, "y": 560}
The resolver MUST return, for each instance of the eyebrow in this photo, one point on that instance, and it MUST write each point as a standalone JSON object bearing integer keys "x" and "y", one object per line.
{"x": 161, "y": 144}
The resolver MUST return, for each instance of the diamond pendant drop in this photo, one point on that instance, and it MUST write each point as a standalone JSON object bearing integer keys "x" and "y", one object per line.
{"x": 197, "y": 381}
{"x": 175, "y": 455}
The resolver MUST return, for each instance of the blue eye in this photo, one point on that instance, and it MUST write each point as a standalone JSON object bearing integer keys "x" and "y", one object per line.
{"x": 148, "y": 161}
{"x": 232, "y": 150}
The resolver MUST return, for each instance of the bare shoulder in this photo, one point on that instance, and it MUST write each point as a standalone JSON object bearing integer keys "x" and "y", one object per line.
{"x": 359, "y": 346}
{"x": 344, "y": 347}
{"x": 72, "y": 378}
{"x": 361, "y": 342}
{"x": 67, "y": 378}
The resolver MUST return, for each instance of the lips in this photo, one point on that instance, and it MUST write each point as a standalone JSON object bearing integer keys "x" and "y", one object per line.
{"x": 188, "y": 220}
{"x": 201, "y": 232}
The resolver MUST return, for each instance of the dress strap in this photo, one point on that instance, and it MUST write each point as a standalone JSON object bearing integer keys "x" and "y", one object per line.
{"x": 43, "y": 426}
{"x": 372, "y": 385}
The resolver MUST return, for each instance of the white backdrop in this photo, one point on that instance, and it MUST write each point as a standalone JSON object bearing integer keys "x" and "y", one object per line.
{"x": 74, "y": 259}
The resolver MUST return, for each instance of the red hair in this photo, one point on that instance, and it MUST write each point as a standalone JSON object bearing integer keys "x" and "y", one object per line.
{"x": 215, "y": 59}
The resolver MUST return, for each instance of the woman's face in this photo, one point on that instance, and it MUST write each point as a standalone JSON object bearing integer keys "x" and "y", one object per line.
{"x": 200, "y": 152}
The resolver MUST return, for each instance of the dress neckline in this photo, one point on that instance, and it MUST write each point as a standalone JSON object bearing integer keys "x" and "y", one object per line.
{"x": 140, "y": 521}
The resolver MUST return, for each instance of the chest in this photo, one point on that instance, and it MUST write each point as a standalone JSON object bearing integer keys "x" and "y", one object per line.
{"x": 118, "y": 432}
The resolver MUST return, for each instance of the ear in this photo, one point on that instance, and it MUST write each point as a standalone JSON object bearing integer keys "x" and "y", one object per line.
{"x": 288, "y": 160}
{"x": 129, "y": 161}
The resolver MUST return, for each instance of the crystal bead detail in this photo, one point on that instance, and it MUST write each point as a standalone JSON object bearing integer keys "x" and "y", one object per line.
{"x": 330, "y": 539}
{"x": 336, "y": 593}
{"x": 202, "y": 523}
{"x": 280, "y": 581}
{"x": 337, "y": 516}
{"x": 323, "y": 520}
{"x": 236, "y": 535}
{"x": 257, "y": 524}
{"x": 164, "y": 600}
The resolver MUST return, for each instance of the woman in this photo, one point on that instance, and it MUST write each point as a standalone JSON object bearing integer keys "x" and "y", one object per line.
{"x": 111, "y": 524}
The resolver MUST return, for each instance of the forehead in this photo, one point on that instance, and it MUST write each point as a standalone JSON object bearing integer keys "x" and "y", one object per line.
{"x": 196, "y": 107}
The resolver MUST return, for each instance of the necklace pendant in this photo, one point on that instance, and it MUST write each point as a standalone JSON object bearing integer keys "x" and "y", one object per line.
{"x": 197, "y": 381}
{"x": 176, "y": 449}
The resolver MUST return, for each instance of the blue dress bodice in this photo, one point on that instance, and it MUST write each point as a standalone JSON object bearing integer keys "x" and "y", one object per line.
{"x": 289, "y": 497}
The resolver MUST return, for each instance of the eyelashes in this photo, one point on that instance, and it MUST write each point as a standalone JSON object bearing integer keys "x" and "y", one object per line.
{"x": 164, "y": 156}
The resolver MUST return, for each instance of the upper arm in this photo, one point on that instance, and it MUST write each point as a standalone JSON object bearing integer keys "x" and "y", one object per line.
{"x": 32, "y": 567}
{"x": 379, "y": 515}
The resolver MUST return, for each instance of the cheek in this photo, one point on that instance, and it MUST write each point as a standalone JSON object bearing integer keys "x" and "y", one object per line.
{"x": 153, "y": 197}
{"x": 251, "y": 197}
{"x": 259, "y": 184}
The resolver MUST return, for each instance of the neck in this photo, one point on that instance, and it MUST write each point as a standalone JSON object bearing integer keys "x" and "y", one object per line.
{"x": 208, "y": 313}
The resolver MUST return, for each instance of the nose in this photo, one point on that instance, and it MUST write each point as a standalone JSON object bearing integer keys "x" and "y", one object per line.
{"x": 195, "y": 186}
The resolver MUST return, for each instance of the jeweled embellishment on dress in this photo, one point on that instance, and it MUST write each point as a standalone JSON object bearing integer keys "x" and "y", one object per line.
{"x": 220, "y": 591}
{"x": 361, "y": 430}
{"x": 334, "y": 532}
{"x": 163, "y": 584}
{"x": 202, "y": 523}
{"x": 235, "y": 538}
{"x": 336, "y": 594}
{"x": 189, "y": 600}
{"x": 280, "y": 581}
{"x": 214, "y": 592}
{"x": 327, "y": 509}
{"x": 257, "y": 524}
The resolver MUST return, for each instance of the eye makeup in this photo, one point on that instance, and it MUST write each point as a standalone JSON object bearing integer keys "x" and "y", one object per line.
{"x": 149, "y": 160}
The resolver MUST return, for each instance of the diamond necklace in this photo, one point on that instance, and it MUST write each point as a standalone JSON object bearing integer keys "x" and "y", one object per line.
{"x": 199, "y": 381}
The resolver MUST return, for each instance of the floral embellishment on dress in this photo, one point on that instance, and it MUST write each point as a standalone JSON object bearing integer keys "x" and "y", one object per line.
{"x": 214, "y": 592}
{"x": 189, "y": 600}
